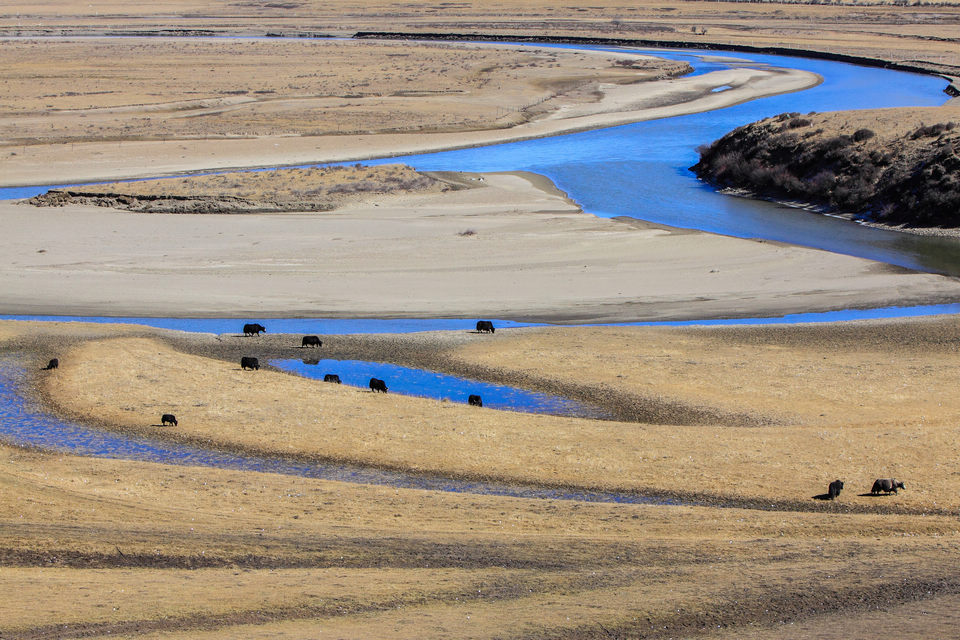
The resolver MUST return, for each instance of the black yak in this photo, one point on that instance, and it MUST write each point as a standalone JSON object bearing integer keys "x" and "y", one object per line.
{"x": 485, "y": 326}
{"x": 886, "y": 485}
{"x": 253, "y": 329}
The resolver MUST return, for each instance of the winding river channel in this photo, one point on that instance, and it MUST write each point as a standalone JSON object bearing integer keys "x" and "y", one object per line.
{"x": 638, "y": 170}
{"x": 642, "y": 170}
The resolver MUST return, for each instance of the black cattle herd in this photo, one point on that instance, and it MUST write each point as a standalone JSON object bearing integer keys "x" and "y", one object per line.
{"x": 883, "y": 486}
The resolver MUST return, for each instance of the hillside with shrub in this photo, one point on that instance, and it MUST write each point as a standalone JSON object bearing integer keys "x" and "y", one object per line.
{"x": 892, "y": 166}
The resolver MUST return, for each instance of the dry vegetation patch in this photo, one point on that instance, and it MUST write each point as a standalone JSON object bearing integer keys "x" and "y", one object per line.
{"x": 66, "y": 91}
{"x": 313, "y": 189}
{"x": 97, "y": 547}
{"x": 117, "y": 547}
{"x": 892, "y": 166}
{"x": 901, "y": 422}
{"x": 922, "y": 33}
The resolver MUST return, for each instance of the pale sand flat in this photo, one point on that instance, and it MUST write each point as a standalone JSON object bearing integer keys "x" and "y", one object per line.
{"x": 508, "y": 250}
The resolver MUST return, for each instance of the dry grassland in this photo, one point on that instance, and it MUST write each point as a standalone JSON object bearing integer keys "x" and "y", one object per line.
{"x": 68, "y": 91}
{"x": 920, "y": 33}
{"x": 299, "y": 190}
{"x": 759, "y": 431}
{"x": 94, "y": 547}
{"x": 101, "y": 547}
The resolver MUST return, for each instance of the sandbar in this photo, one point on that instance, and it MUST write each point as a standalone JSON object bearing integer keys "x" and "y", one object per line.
{"x": 511, "y": 247}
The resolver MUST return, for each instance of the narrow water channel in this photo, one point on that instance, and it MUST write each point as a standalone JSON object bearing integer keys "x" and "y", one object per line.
{"x": 642, "y": 170}
{"x": 439, "y": 386}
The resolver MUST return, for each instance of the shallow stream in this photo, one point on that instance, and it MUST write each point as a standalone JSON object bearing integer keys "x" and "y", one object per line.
{"x": 439, "y": 386}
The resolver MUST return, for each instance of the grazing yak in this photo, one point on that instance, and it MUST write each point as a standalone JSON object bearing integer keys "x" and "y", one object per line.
{"x": 311, "y": 341}
{"x": 377, "y": 385}
{"x": 834, "y": 489}
{"x": 253, "y": 329}
{"x": 886, "y": 485}
{"x": 332, "y": 377}
{"x": 168, "y": 418}
{"x": 247, "y": 362}
{"x": 53, "y": 364}
{"x": 475, "y": 401}
{"x": 485, "y": 326}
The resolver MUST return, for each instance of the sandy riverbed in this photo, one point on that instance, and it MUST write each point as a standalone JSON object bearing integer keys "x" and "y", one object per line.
{"x": 513, "y": 247}
{"x": 619, "y": 104}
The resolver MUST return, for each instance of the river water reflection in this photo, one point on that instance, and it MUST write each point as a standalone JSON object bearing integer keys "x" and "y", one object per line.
{"x": 440, "y": 386}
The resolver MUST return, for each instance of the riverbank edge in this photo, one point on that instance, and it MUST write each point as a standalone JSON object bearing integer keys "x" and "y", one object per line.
{"x": 387, "y": 146}
{"x": 935, "y": 232}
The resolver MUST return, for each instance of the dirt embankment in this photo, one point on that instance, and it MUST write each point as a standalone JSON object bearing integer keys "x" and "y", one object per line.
{"x": 891, "y": 166}
{"x": 316, "y": 189}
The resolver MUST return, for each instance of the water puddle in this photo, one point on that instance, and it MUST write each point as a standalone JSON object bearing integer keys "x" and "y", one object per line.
{"x": 430, "y": 384}
{"x": 22, "y": 424}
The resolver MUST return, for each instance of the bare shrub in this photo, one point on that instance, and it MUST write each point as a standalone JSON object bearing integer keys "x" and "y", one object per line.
{"x": 929, "y": 131}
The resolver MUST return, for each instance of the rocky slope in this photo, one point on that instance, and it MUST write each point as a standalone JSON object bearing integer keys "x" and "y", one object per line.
{"x": 892, "y": 166}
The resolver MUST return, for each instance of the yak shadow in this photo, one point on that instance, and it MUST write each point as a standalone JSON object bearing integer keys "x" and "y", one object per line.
{"x": 822, "y": 496}
{"x": 874, "y": 495}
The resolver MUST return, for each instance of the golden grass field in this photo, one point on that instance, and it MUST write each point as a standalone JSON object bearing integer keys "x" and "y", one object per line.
{"x": 135, "y": 549}
{"x": 922, "y": 33}
{"x": 226, "y": 88}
